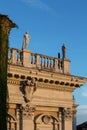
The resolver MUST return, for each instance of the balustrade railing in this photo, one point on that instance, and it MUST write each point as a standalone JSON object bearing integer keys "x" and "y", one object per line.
{"x": 15, "y": 56}
{"x": 45, "y": 61}
{"x": 28, "y": 59}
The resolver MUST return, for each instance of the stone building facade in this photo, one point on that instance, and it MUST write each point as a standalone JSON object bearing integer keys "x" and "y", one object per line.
{"x": 40, "y": 91}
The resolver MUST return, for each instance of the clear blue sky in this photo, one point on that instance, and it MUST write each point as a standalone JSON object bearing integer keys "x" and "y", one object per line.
{"x": 51, "y": 23}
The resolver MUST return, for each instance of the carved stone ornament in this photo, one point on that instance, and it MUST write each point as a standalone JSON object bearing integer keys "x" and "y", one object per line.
{"x": 28, "y": 88}
{"x": 46, "y": 119}
{"x": 68, "y": 113}
{"x": 28, "y": 111}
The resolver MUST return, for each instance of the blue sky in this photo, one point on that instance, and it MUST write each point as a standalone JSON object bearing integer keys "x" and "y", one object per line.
{"x": 51, "y": 23}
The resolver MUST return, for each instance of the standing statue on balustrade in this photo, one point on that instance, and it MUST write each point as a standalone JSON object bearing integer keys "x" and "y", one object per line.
{"x": 64, "y": 51}
{"x": 26, "y": 41}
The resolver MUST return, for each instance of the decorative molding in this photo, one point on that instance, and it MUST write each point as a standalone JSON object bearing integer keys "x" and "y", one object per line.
{"x": 68, "y": 113}
{"x": 66, "y": 82}
{"x": 28, "y": 88}
{"x": 63, "y": 85}
{"x": 51, "y": 98}
{"x": 56, "y": 87}
{"x": 14, "y": 81}
{"x": 28, "y": 111}
{"x": 46, "y": 119}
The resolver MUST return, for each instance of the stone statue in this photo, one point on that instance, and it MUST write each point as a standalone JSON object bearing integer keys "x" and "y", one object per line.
{"x": 26, "y": 40}
{"x": 29, "y": 89}
{"x": 64, "y": 51}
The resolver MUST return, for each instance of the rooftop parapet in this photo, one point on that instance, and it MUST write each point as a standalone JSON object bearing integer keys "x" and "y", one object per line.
{"x": 29, "y": 59}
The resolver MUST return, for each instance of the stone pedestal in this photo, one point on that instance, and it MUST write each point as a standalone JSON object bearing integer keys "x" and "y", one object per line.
{"x": 66, "y": 66}
{"x": 26, "y": 58}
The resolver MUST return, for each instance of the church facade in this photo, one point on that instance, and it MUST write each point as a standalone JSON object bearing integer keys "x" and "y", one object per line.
{"x": 40, "y": 91}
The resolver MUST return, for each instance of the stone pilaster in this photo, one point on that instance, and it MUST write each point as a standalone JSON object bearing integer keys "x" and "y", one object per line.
{"x": 68, "y": 118}
{"x": 28, "y": 117}
{"x": 74, "y": 116}
{"x": 74, "y": 120}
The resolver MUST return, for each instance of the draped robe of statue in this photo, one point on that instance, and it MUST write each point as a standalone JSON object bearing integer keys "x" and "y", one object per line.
{"x": 26, "y": 40}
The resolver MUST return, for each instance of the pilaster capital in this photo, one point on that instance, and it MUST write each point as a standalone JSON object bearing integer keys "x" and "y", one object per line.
{"x": 28, "y": 111}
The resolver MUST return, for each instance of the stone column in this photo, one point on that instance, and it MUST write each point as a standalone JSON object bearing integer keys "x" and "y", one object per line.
{"x": 28, "y": 117}
{"x": 74, "y": 120}
{"x": 74, "y": 116}
{"x": 60, "y": 119}
{"x": 18, "y": 119}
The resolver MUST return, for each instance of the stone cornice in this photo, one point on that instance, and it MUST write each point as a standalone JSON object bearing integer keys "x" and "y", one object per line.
{"x": 44, "y": 85}
{"x": 56, "y": 87}
{"x": 52, "y": 80}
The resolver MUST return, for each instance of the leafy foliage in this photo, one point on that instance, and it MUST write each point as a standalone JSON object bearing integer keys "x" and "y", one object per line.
{"x": 5, "y": 25}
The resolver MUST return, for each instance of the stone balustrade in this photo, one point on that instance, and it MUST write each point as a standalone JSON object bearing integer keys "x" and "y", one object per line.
{"x": 26, "y": 58}
{"x": 15, "y": 56}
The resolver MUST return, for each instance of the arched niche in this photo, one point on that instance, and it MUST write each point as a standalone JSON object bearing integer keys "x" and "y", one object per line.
{"x": 46, "y": 122}
{"x": 11, "y": 122}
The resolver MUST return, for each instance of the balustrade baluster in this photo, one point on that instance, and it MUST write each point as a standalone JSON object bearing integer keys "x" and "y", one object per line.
{"x": 50, "y": 63}
{"x": 47, "y": 62}
{"x": 18, "y": 56}
{"x": 38, "y": 60}
{"x": 35, "y": 59}
{"x": 41, "y": 61}
{"x": 44, "y": 62}
{"x": 13, "y": 56}
{"x": 59, "y": 64}
{"x": 32, "y": 59}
